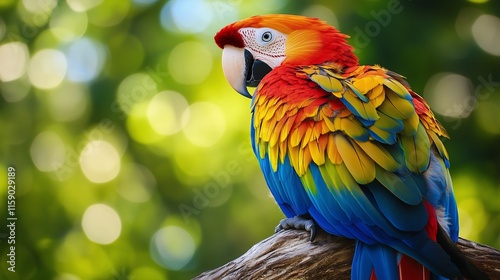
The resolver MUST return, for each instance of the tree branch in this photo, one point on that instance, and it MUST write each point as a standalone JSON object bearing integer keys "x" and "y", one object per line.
{"x": 289, "y": 255}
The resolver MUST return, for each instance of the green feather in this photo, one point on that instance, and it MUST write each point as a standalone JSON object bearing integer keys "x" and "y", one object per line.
{"x": 417, "y": 150}
{"x": 396, "y": 107}
{"x": 308, "y": 182}
{"x": 404, "y": 188}
{"x": 398, "y": 88}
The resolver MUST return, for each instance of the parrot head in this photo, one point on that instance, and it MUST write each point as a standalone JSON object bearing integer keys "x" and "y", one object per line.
{"x": 255, "y": 46}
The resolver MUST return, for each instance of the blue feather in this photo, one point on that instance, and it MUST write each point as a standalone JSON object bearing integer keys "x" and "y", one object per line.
{"x": 397, "y": 211}
{"x": 427, "y": 252}
{"x": 380, "y": 257}
{"x": 293, "y": 187}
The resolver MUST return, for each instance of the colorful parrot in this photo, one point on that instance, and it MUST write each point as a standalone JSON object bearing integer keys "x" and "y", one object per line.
{"x": 349, "y": 148}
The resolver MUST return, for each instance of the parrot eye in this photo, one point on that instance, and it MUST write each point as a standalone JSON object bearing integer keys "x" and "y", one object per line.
{"x": 267, "y": 36}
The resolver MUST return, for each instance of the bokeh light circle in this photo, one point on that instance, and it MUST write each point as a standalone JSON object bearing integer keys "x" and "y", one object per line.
{"x": 101, "y": 224}
{"x": 48, "y": 151}
{"x": 36, "y": 6}
{"x": 82, "y": 5}
{"x": 450, "y": 94}
{"x": 14, "y": 58}
{"x": 47, "y": 68}
{"x": 486, "y": 33}
{"x": 165, "y": 112}
{"x": 187, "y": 16}
{"x": 100, "y": 161}
{"x": 68, "y": 24}
{"x": 172, "y": 247}
{"x": 85, "y": 60}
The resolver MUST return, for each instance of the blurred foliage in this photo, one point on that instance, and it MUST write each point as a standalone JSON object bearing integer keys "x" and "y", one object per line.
{"x": 132, "y": 152}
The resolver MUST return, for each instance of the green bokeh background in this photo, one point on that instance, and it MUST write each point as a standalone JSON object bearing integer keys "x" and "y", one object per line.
{"x": 132, "y": 152}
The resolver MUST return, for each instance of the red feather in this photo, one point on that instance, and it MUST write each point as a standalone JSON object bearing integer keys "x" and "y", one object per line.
{"x": 229, "y": 36}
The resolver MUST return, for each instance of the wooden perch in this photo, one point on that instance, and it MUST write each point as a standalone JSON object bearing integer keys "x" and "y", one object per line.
{"x": 289, "y": 255}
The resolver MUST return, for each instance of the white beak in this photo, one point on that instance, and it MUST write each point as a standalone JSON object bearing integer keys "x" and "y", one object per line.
{"x": 233, "y": 65}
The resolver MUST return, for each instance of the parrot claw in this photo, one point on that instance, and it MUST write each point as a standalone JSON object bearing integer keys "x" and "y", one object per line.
{"x": 304, "y": 222}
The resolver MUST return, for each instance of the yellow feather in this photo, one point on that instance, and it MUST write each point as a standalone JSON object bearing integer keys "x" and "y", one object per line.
{"x": 331, "y": 126}
{"x": 307, "y": 137}
{"x": 304, "y": 161}
{"x": 280, "y": 112}
{"x": 282, "y": 151}
{"x": 366, "y": 110}
{"x": 262, "y": 149}
{"x": 271, "y": 110}
{"x": 379, "y": 154}
{"x": 352, "y": 127}
{"x": 297, "y": 135}
{"x": 359, "y": 164}
{"x": 293, "y": 154}
{"x": 277, "y": 131}
{"x": 261, "y": 100}
{"x": 310, "y": 70}
{"x": 285, "y": 131}
{"x": 273, "y": 157}
{"x": 365, "y": 84}
{"x": 317, "y": 155}
{"x": 266, "y": 130}
{"x": 382, "y": 133}
{"x": 324, "y": 128}
{"x": 439, "y": 145}
{"x": 329, "y": 84}
{"x": 347, "y": 178}
{"x": 331, "y": 150}
{"x": 376, "y": 95}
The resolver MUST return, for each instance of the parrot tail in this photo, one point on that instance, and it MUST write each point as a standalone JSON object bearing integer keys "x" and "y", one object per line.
{"x": 467, "y": 268}
{"x": 383, "y": 262}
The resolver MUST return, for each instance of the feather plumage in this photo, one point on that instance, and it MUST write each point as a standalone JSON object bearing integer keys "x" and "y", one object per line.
{"x": 359, "y": 161}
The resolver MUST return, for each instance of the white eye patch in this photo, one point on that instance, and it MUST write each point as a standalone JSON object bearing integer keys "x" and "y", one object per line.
{"x": 264, "y": 41}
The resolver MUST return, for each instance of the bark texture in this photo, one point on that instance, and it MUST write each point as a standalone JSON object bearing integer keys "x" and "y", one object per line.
{"x": 289, "y": 255}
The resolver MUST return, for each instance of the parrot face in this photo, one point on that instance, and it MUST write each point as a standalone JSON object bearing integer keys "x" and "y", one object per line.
{"x": 264, "y": 50}
{"x": 255, "y": 46}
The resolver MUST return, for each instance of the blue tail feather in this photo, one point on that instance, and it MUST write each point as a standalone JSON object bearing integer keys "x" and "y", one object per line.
{"x": 427, "y": 252}
{"x": 381, "y": 258}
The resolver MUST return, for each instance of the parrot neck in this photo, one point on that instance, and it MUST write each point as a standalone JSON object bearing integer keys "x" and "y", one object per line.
{"x": 328, "y": 46}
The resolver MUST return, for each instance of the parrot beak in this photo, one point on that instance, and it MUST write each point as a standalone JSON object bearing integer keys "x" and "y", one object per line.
{"x": 242, "y": 70}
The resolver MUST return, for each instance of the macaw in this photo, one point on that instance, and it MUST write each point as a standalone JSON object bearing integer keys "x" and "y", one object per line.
{"x": 347, "y": 147}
